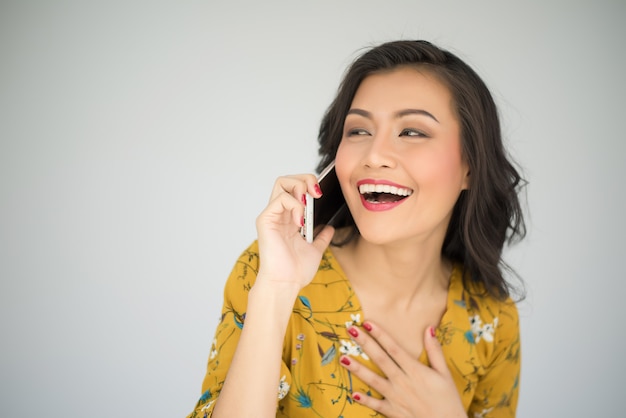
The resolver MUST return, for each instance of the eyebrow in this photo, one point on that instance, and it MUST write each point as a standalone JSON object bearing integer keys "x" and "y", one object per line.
{"x": 398, "y": 114}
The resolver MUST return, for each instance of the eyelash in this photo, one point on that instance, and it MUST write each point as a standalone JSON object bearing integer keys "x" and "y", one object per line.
{"x": 357, "y": 132}
{"x": 405, "y": 132}
{"x": 413, "y": 133}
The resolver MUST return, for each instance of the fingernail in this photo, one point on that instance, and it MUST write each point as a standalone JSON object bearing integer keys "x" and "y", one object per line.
{"x": 367, "y": 326}
{"x": 302, "y": 221}
{"x": 352, "y": 331}
{"x": 304, "y": 199}
{"x": 432, "y": 332}
{"x": 345, "y": 360}
{"x": 318, "y": 190}
{"x": 356, "y": 397}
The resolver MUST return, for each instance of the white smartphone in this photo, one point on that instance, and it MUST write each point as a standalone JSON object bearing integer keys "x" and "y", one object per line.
{"x": 326, "y": 210}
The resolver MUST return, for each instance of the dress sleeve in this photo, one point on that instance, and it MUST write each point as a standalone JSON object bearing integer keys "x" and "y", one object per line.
{"x": 497, "y": 389}
{"x": 228, "y": 332}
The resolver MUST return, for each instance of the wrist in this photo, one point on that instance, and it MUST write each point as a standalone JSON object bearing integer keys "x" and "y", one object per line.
{"x": 272, "y": 301}
{"x": 275, "y": 289}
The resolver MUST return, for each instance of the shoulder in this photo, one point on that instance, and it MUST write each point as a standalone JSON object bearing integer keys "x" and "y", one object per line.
{"x": 249, "y": 258}
{"x": 244, "y": 273}
{"x": 490, "y": 321}
{"x": 476, "y": 300}
{"x": 483, "y": 346}
{"x": 246, "y": 269}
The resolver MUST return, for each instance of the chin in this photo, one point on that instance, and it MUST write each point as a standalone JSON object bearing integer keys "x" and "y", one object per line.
{"x": 381, "y": 236}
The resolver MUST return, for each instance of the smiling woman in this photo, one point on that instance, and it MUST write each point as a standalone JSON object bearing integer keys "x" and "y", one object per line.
{"x": 406, "y": 312}
{"x": 395, "y": 138}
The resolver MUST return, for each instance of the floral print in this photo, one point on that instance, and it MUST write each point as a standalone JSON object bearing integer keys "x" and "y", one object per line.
{"x": 213, "y": 352}
{"x": 351, "y": 348}
{"x": 479, "y": 337}
{"x": 283, "y": 387}
{"x": 480, "y": 331}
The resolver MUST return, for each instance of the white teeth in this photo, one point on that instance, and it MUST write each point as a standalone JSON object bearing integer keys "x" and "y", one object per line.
{"x": 384, "y": 188}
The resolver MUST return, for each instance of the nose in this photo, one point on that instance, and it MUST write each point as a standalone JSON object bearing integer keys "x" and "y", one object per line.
{"x": 381, "y": 152}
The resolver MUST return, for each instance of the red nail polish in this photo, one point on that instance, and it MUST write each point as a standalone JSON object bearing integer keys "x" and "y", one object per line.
{"x": 302, "y": 221}
{"x": 352, "y": 331}
{"x": 356, "y": 397}
{"x": 345, "y": 360}
{"x": 318, "y": 190}
{"x": 304, "y": 199}
{"x": 432, "y": 332}
{"x": 367, "y": 326}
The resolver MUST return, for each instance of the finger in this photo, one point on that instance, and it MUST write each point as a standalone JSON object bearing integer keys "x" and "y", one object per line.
{"x": 394, "y": 357}
{"x": 322, "y": 240}
{"x": 296, "y": 186}
{"x": 281, "y": 206}
{"x": 435, "y": 353}
{"x": 292, "y": 186}
{"x": 368, "y": 376}
{"x": 379, "y": 405}
{"x": 312, "y": 185}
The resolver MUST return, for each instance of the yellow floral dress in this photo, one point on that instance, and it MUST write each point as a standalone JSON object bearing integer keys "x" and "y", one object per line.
{"x": 479, "y": 337}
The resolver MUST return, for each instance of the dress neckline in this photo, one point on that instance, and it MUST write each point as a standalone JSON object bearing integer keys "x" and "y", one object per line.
{"x": 453, "y": 297}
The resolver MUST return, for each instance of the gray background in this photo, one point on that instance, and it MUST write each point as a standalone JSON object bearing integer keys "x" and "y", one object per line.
{"x": 139, "y": 141}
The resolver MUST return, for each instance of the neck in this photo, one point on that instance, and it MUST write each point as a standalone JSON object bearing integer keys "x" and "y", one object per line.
{"x": 400, "y": 273}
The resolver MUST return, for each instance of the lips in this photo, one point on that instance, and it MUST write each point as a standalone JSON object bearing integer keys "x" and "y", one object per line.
{"x": 378, "y": 195}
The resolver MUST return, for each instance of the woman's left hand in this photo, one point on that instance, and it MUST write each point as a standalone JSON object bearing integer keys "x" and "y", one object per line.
{"x": 411, "y": 389}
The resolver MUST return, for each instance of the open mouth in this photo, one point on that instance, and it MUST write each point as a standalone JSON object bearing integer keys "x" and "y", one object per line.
{"x": 383, "y": 193}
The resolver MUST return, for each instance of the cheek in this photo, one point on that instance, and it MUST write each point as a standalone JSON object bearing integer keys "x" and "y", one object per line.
{"x": 445, "y": 167}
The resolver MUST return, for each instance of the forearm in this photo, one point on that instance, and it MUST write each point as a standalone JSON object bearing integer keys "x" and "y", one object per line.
{"x": 251, "y": 386}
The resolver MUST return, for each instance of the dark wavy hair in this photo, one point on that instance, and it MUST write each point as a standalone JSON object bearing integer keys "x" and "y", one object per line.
{"x": 488, "y": 213}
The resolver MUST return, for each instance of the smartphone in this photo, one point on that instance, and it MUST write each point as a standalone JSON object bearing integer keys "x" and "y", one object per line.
{"x": 330, "y": 209}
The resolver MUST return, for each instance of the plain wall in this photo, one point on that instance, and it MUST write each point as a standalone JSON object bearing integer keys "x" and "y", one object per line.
{"x": 140, "y": 139}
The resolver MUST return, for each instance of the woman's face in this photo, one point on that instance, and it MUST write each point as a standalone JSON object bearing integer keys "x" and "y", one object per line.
{"x": 399, "y": 162}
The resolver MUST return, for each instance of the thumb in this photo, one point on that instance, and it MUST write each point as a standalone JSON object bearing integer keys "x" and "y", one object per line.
{"x": 322, "y": 240}
{"x": 435, "y": 352}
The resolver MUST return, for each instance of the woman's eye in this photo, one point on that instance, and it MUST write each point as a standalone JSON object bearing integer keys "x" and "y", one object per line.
{"x": 413, "y": 133}
{"x": 357, "y": 132}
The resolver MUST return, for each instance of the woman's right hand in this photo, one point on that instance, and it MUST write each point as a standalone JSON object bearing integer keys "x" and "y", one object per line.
{"x": 285, "y": 256}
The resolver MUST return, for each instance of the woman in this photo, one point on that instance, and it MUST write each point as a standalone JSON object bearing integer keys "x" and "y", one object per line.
{"x": 407, "y": 313}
